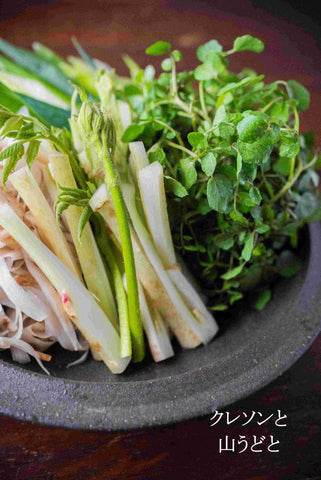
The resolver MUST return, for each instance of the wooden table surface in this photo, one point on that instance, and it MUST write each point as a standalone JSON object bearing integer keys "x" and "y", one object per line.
{"x": 188, "y": 450}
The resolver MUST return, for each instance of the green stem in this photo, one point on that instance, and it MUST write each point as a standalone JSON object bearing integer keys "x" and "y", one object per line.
{"x": 179, "y": 147}
{"x": 110, "y": 255}
{"x": 112, "y": 184}
{"x": 202, "y": 101}
{"x": 173, "y": 79}
{"x": 296, "y": 127}
{"x": 266, "y": 107}
{"x": 289, "y": 184}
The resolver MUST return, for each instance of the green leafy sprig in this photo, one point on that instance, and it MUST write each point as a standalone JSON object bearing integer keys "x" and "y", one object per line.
{"x": 240, "y": 177}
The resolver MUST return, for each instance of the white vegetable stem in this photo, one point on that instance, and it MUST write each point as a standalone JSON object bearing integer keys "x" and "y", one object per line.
{"x": 87, "y": 251}
{"x": 151, "y": 184}
{"x": 189, "y": 331}
{"x": 202, "y": 330}
{"x": 23, "y": 299}
{"x": 192, "y": 298}
{"x": 124, "y": 114}
{"x": 48, "y": 229}
{"x": 69, "y": 339}
{"x": 155, "y": 329}
{"x": 77, "y": 301}
{"x": 49, "y": 187}
{"x": 139, "y": 155}
{"x": 101, "y": 201}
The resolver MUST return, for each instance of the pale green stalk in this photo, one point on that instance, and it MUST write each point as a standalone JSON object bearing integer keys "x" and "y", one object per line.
{"x": 151, "y": 184}
{"x": 111, "y": 256}
{"x": 88, "y": 254}
{"x": 49, "y": 231}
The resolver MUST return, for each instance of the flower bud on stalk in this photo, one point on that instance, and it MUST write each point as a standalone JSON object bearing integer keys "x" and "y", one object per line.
{"x": 100, "y": 135}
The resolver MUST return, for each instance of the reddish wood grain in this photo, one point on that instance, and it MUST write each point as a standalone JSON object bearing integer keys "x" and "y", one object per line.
{"x": 108, "y": 29}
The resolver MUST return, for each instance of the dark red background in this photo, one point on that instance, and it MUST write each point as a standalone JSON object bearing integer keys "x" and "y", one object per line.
{"x": 108, "y": 29}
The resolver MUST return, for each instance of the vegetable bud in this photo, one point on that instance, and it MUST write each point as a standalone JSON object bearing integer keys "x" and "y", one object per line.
{"x": 85, "y": 118}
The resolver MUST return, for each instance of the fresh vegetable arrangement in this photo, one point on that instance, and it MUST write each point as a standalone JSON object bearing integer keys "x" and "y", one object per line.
{"x": 111, "y": 186}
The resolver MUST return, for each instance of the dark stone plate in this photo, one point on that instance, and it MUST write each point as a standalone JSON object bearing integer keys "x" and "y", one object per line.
{"x": 251, "y": 350}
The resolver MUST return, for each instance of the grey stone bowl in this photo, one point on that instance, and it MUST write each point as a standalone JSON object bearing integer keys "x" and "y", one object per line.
{"x": 251, "y": 350}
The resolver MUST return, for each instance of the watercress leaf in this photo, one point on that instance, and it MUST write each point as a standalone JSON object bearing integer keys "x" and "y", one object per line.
{"x": 206, "y": 51}
{"x": 309, "y": 178}
{"x": 175, "y": 187}
{"x": 226, "y": 130}
{"x": 279, "y": 113}
{"x": 261, "y": 229}
{"x": 248, "y": 247}
{"x": 299, "y": 93}
{"x": 158, "y": 48}
{"x": 220, "y": 307}
{"x": 188, "y": 172}
{"x": 227, "y": 170}
{"x": 251, "y": 127}
{"x": 255, "y": 195}
{"x": 235, "y": 296}
{"x": 227, "y": 148}
{"x": 177, "y": 55}
{"x": 197, "y": 140}
{"x": 203, "y": 206}
{"x": 263, "y": 299}
{"x": 234, "y": 272}
{"x": 237, "y": 216}
{"x": 246, "y": 202}
{"x": 132, "y": 132}
{"x": 225, "y": 243}
{"x": 282, "y": 166}
{"x": 306, "y": 205}
{"x": 166, "y": 64}
{"x": 309, "y": 139}
{"x": 32, "y": 152}
{"x": 219, "y": 191}
{"x": 157, "y": 155}
{"x": 170, "y": 135}
{"x": 132, "y": 90}
{"x": 220, "y": 115}
{"x": 208, "y": 163}
{"x": 247, "y": 42}
{"x": 149, "y": 73}
{"x": 210, "y": 69}
{"x": 205, "y": 71}
{"x": 257, "y": 152}
{"x": 291, "y": 269}
{"x": 241, "y": 83}
{"x": 290, "y": 144}
{"x": 256, "y": 213}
